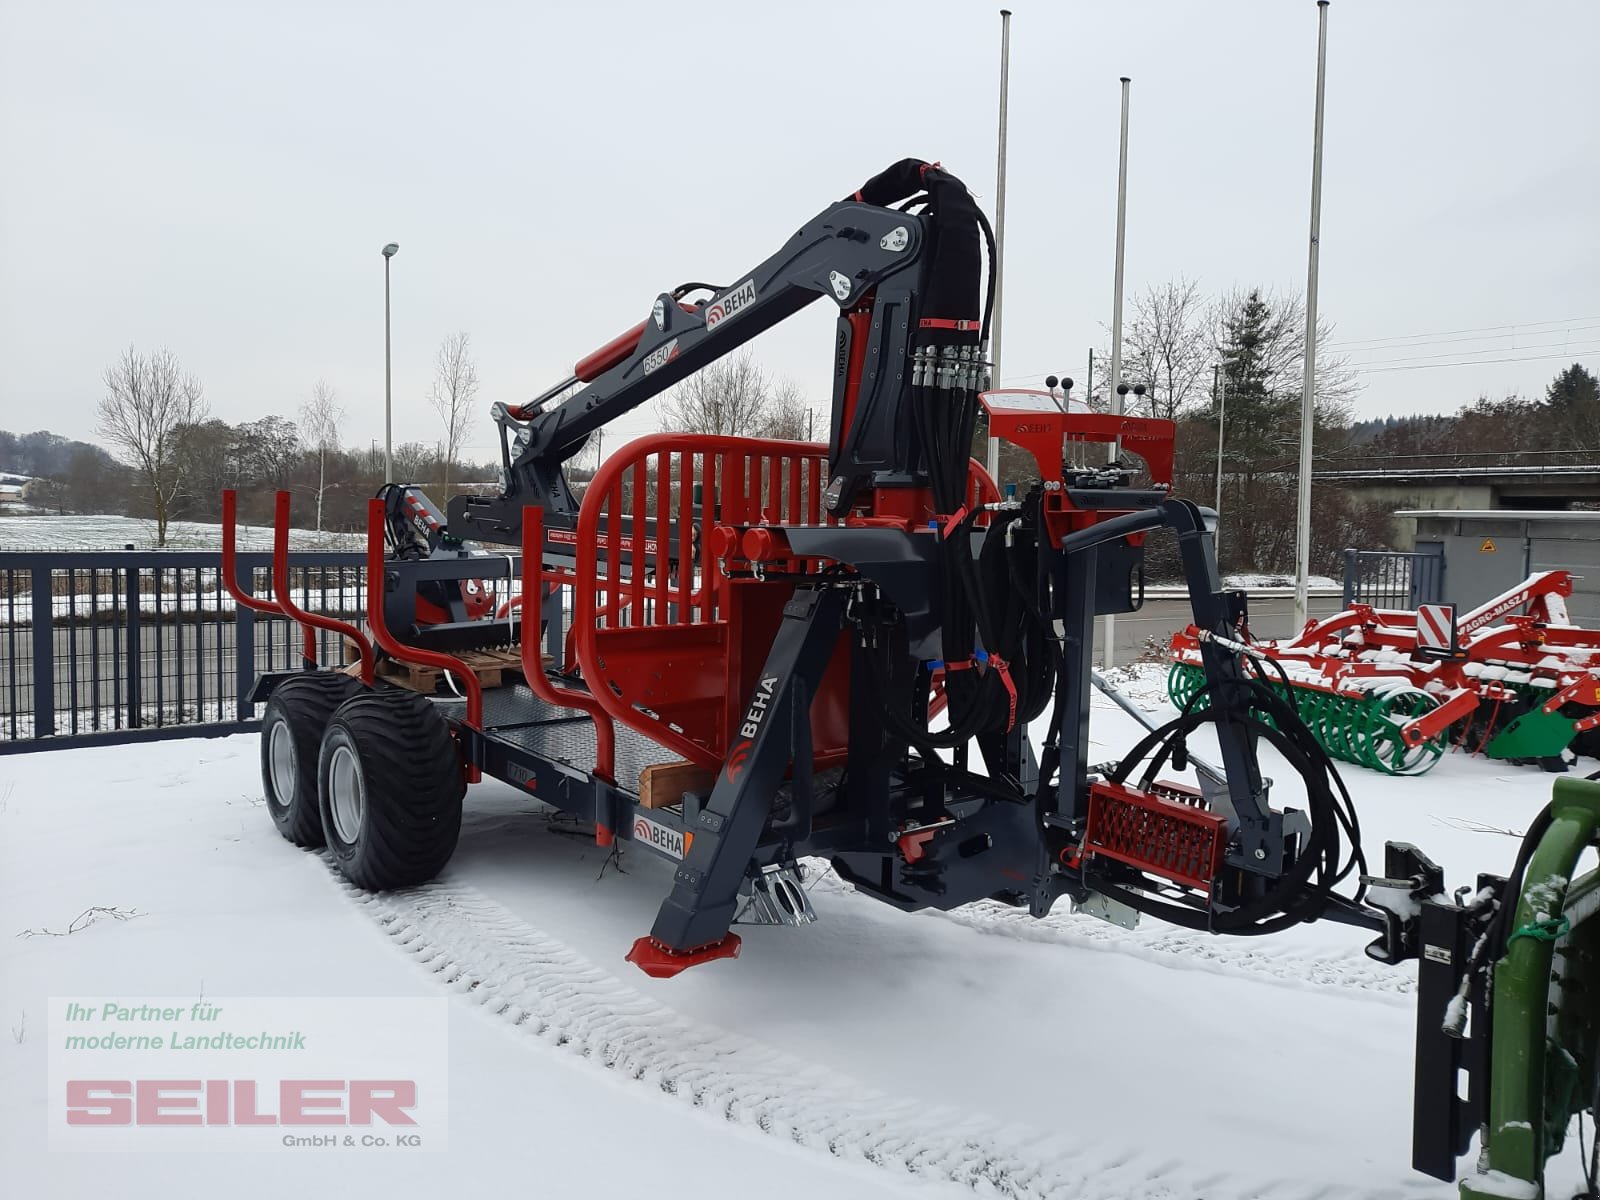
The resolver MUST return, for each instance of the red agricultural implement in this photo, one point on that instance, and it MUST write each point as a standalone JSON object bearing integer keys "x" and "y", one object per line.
{"x": 1391, "y": 689}
{"x": 741, "y": 654}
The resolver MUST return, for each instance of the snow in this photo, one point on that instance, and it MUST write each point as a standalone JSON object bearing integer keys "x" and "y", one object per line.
{"x": 40, "y": 531}
{"x": 1497, "y": 1183}
{"x": 873, "y": 1053}
{"x": 1276, "y": 581}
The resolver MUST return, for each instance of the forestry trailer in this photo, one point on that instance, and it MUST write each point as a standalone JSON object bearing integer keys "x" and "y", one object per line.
{"x": 742, "y": 653}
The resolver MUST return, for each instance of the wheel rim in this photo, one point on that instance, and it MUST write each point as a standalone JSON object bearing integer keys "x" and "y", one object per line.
{"x": 346, "y": 795}
{"x": 283, "y": 762}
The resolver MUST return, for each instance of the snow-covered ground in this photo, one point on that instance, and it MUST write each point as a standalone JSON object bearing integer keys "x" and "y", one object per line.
{"x": 874, "y": 1053}
{"x": 48, "y": 531}
{"x": 1265, "y": 582}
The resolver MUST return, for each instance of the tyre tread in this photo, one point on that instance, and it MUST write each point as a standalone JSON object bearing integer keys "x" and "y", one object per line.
{"x": 414, "y": 787}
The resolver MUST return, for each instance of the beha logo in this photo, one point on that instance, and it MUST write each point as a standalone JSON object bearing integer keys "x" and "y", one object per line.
{"x": 731, "y": 303}
{"x": 759, "y": 704}
{"x": 668, "y": 841}
{"x": 736, "y": 760}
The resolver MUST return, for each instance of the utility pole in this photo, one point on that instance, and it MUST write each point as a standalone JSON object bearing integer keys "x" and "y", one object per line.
{"x": 389, "y": 252}
{"x": 992, "y": 450}
{"x": 1115, "y": 382}
{"x": 1302, "y": 549}
{"x": 1116, "y": 301}
{"x": 1219, "y": 389}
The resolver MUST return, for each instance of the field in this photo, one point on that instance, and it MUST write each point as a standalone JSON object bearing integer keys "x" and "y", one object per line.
{"x": 43, "y": 531}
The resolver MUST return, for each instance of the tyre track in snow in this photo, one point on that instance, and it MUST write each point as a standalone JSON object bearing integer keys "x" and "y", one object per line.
{"x": 1171, "y": 948}
{"x": 488, "y": 955}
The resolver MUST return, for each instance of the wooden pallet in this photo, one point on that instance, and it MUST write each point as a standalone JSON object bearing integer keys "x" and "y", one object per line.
{"x": 493, "y": 668}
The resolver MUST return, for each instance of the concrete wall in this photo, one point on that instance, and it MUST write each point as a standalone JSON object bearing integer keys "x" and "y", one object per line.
{"x": 1419, "y": 495}
{"x": 1166, "y": 611}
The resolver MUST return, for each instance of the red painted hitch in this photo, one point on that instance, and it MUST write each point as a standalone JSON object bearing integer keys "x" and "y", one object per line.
{"x": 660, "y": 961}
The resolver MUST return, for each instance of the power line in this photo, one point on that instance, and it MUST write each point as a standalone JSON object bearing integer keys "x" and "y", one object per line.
{"x": 1520, "y": 331}
{"x": 1479, "y": 362}
{"x": 1530, "y": 326}
{"x": 1409, "y": 358}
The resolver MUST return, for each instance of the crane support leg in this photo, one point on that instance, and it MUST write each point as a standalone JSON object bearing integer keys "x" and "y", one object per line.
{"x": 693, "y": 922}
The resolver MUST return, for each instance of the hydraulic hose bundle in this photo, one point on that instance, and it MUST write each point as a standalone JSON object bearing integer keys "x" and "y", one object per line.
{"x": 999, "y": 660}
{"x": 1330, "y": 853}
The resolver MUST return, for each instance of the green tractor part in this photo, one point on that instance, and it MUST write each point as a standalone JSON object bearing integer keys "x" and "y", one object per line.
{"x": 1544, "y": 1053}
{"x": 1535, "y": 734}
{"x": 1356, "y": 728}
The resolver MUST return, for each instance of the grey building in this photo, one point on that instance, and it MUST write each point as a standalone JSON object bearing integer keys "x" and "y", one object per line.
{"x": 1489, "y": 551}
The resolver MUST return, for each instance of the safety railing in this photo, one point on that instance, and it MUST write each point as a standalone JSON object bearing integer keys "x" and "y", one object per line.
{"x": 112, "y": 646}
{"x": 646, "y": 561}
{"x": 1392, "y": 579}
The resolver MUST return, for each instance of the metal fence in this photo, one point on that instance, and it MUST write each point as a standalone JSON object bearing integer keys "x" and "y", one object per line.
{"x": 1392, "y": 579}
{"x": 114, "y": 646}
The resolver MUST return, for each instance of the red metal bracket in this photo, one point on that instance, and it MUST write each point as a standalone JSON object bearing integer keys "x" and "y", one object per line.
{"x": 398, "y": 650}
{"x": 605, "y": 730}
{"x": 1035, "y": 420}
{"x": 309, "y": 620}
{"x": 660, "y": 961}
{"x": 1180, "y": 842}
{"x": 230, "y": 575}
{"x": 1437, "y": 720}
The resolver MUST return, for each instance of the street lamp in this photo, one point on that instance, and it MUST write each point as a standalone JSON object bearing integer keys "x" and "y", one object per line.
{"x": 389, "y": 252}
{"x": 1219, "y": 385}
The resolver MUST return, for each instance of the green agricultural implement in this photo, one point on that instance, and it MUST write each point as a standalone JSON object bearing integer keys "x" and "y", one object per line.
{"x": 1508, "y": 1014}
{"x": 1361, "y": 727}
{"x": 1389, "y": 689}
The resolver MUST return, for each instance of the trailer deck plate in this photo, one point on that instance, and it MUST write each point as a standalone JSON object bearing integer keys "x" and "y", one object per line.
{"x": 515, "y": 716}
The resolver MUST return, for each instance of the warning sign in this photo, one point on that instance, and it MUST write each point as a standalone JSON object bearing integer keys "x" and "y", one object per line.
{"x": 1436, "y": 626}
{"x": 1487, "y": 547}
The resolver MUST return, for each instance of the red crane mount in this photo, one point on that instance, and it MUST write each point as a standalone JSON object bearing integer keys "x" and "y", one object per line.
{"x": 747, "y": 652}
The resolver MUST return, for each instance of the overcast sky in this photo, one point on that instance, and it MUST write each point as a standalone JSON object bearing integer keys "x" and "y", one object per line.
{"x": 218, "y": 178}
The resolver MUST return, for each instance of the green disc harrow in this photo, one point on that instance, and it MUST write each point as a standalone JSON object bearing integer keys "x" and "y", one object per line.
{"x": 1361, "y": 728}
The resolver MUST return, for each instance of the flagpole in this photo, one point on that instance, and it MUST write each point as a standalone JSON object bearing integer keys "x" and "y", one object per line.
{"x": 992, "y": 455}
{"x": 1114, "y": 382}
{"x": 1302, "y": 549}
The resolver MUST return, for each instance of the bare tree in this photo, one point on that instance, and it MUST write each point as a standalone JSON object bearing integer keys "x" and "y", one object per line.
{"x": 730, "y": 397}
{"x": 414, "y": 461}
{"x": 788, "y": 417}
{"x": 319, "y": 424}
{"x": 454, "y": 396}
{"x": 149, "y": 399}
{"x": 1167, "y": 347}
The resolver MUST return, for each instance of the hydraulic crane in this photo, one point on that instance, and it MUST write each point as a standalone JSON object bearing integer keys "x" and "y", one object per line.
{"x": 748, "y": 653}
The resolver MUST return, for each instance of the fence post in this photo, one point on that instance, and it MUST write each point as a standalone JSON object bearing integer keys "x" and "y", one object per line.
{"x": 135, "y": 703}
{"x": 244, "y": 648}
{"x": 554, "y": 624}
{"x": 1350, "y": 568}
{"x": 44, "y": 644}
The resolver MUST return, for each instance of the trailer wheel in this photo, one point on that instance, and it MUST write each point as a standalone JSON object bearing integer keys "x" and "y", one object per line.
{"x": 291, "y": 740}
{"x": 390, "y": 785}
